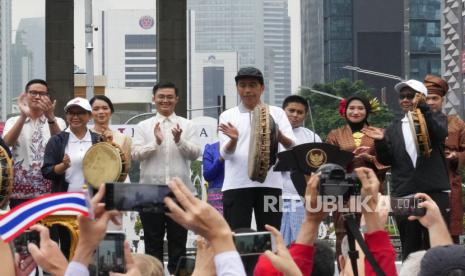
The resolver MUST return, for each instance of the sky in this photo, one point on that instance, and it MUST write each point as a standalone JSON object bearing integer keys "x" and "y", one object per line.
{"x": 36, "y": 8}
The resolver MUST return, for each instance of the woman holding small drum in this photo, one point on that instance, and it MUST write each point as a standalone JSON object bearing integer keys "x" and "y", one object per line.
{"x": 102, "y": 109}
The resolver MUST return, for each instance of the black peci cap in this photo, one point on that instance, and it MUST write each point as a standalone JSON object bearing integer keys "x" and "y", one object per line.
{"x": 249, "y": 72}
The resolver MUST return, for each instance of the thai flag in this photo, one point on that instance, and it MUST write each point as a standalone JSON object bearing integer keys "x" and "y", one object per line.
{"x": 23, "y": 216}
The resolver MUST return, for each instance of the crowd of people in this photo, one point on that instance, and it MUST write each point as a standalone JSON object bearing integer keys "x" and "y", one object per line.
{"x": 48, "y": 157}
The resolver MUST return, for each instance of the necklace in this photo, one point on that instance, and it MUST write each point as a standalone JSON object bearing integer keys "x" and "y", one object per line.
{"x": 357, "y": 138}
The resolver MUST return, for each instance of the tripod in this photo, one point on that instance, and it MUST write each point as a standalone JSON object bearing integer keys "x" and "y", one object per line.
{"x": 353, "y": 233}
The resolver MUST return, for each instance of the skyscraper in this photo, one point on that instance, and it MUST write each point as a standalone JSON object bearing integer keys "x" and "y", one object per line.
{"x": 224, "y": 25}
{"x": 27, "y": 54}
{"x": 5, "y": 37}
{"x": 277, "y": 44}
{"x": 397, "y": 37}
{"x": 424, "y": 38}
{"x": 327, "y": 40}
{"x": 312, "y": 43}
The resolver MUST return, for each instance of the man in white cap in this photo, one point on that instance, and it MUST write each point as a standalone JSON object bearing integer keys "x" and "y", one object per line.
{"x": 412, "y": 172}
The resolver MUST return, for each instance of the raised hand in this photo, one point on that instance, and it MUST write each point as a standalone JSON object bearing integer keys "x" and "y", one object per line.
{"x": 48, "y": 255}
{"x": 23, "y": 105}
{"x": 107, "y": 135}
{"x": 199, "y": 216}
{"x": 433, "y": 220}
{"x": 158, "y": 134}
{"x": 451, "y": 155}
{"x": 361, "y": 149}
{"x": 204, "y": 264}
{"x": 47, "y": 106}
{"x": 229, "y": 130}
{"x": 370, "y": 186}
{"x": 176, "y": 131}
{"x": 282, "y": 259}
{"x": 374, "y": 132}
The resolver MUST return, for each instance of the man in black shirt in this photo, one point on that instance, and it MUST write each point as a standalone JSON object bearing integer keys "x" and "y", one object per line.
{"x": 413, "y": 172}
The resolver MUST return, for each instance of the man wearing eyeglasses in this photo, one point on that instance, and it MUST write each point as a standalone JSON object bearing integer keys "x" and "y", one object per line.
{"x": 411, "y": 171}
{"x": 165, "y": 144}
{"x": 27, "y": 135}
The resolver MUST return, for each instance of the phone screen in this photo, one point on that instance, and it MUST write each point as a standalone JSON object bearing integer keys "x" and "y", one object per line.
{"x": 20, "y": 242}
{"x": 136, "y": 197}
{"x": 109, "y": 256}
{"x": 254, "y": 243}
{"x": 407, "y": 206}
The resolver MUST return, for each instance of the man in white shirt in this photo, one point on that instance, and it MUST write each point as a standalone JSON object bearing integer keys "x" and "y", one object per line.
{"x": 296, "y": 109}
{"x": 165, "y": 145}
{"x": 240, "y": 194}
{"x": 27, "y": 135}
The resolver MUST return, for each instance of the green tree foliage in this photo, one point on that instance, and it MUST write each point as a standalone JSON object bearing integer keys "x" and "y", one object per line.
{"x": 325, "y": 109}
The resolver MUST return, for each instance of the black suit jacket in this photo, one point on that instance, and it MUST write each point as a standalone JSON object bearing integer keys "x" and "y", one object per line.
{"x": 430, "y": 174}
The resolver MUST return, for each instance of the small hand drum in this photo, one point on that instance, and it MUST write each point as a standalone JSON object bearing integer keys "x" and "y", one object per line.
{"x": 6, "y": 177}
{"x": 105, "y": 162}
{"x": 263, "y": 143}
{"x": 419, "y": 131}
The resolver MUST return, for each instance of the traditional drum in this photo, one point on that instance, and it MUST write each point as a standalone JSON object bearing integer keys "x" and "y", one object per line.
{"x": 263, "y": 143}
{"x": 105, "y": 162}
{"x": 6, "y": 177}
{"x": 419, "y": 128}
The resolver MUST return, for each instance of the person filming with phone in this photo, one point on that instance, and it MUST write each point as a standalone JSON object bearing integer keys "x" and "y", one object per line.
{"x": 27, "y": 134}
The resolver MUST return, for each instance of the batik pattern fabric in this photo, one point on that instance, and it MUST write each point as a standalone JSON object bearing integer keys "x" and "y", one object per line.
{"x": 28, "y": 157}
{"x": 455, "y": 141}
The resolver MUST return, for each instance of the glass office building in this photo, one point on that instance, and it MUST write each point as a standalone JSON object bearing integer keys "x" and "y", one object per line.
{"x": 338, "y": 38}
{"x": 425, "y": 38}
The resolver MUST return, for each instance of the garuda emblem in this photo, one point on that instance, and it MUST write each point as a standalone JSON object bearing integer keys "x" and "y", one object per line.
{"x": 316, "y": 157}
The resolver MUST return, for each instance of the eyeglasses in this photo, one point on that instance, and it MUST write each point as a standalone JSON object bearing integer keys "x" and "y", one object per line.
{"x": 77, "y": 113}
{"x": 38, "y": 93}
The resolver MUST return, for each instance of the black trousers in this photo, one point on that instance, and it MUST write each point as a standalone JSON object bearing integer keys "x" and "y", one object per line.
{"x": 413, "y": 236}
{"x": 265, "y": 202}
{"x": 154, "y": 225}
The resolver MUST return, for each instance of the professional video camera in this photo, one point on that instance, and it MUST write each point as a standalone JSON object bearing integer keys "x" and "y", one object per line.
{"x": 335, "y": 181}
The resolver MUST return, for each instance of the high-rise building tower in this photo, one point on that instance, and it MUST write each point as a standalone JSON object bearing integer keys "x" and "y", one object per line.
{"x": 5, "y": 43}
{"x": 424, "y": 38}
{"x": 223, "y": 25}
{"x": 27, "y": 54}
{"x": 277, "y": 43}
{"x": 398, "y": 37}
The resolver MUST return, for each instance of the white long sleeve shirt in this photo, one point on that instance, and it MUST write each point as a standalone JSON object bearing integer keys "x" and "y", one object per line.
{"x": 303, "y": 135}
{"x": 236, "y": 164}
{"x": 229, "y": 263}
{"x": 160, "y": 163}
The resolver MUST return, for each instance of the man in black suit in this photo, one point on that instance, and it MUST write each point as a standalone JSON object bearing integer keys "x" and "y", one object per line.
{"x": 411, "y": 171}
